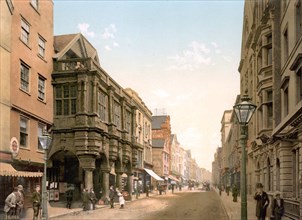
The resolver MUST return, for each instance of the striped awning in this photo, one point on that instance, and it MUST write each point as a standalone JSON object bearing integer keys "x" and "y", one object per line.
{"x": 154, "y": 175}
{"x": 7, "y": 169}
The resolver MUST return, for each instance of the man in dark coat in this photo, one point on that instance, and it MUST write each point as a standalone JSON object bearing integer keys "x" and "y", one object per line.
{"x": 278, "y": 207}
{"x": 69, "y": 196}
{"x": 111, "y": 196}
{"x": 36, "y": 200}
{"x": 262, "y": 202}
{"x": 85, "y": 198}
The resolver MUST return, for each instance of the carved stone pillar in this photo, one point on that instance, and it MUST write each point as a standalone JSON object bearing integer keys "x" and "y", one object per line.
{"x": 87, "y": 162}
{"x": 105, "y": 186}
{"x": 88, "y": 178}
{"x": 119, "y": 180}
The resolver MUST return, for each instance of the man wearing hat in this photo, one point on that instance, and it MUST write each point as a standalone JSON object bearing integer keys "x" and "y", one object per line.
{"x": 278, "y": 206}
{"x": 262, "y": 202}
{"x": 36, "y": 200}
{"x": 20, "y": 202}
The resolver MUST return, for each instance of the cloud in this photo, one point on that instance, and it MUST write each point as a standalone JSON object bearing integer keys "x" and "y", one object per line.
{"x": 107, "y": 47}
{"x": 192, "y": 58}
{"x": 115, "y": 44}
{"x": 215, "y": 45}
{"x": 83, "y": 27}
{"x": 109, "y": 32}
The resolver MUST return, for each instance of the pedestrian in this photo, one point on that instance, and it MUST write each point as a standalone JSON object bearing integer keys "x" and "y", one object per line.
{"x": 278, "y": 207}
{"x": 111, "y": 196}
{"x": 92, "y": 198}
{"x": 10, "y": 204}
{"x": 20, "y": 202}
{"x": 262, "y": 202}
{"x": 172, "y": 187}
{"x": 36, "y": 201}
{"x": 147, "y": 190}
{"x": 121, "y": 199}
{"x": 235, "y": 193}
{"x": 69, "y": 196}
{"x": 85, "y": 198}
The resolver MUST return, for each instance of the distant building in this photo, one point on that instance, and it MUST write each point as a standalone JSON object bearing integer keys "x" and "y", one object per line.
{"x": 143, "y": 136}
{"x": 161, "y": 144}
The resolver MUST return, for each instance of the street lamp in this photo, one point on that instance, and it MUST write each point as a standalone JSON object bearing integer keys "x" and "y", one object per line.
{"x": 45, "y": 142}
{"x": 244, "y": 112}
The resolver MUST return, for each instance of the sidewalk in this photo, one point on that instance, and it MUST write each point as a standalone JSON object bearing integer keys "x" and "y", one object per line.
{"x": 59, "y": 208}
{"x": 233, "y": 209}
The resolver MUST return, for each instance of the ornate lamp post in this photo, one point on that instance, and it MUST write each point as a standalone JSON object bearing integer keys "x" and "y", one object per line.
{"x": 45, "y": 142}
{"x": 244, "y": 112}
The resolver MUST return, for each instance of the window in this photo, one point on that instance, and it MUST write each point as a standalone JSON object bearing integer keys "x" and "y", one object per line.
{"x": 128, "y": 121}
{"x": 24, "y": 77}
{"x": 41, "y": 128}
{"x": 102, "y": 104}
{"x": 23, "y": 131}
{"x": 35, "y": 3}
{"x": 66, "y": 98}
{"x": 41, "y": 47}
{"x": 24, "y": 31}
{"x": 41, "y": 88}
{"x": 285, "y": 45}
{"x": 269, "y": 50}
{"x": 117, "y": 114}
{"x": 285, "y": 101}
{"x": 139, "y": 159}
{"x": 269, "y": 108}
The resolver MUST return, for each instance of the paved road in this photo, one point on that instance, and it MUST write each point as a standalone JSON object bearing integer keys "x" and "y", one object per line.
{"x": 182, "y": 205}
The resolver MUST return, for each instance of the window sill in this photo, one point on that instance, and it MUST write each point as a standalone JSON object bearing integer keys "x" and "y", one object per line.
{"x": 24, "y": 148}
{"x": 42, "y": 101}
{"x": 26, "y": 92}
{"x": 36, "y": 9}
{"x": 25, "y": 43}
{"x": 42, "y": 58}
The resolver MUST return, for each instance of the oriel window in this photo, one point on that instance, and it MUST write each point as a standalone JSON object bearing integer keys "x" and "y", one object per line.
{"x": 65, "y": 99}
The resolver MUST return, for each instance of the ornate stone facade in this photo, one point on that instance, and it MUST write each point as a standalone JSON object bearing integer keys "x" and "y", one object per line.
{"x": 271, "y": 71}
{"x": 94, "y": 122}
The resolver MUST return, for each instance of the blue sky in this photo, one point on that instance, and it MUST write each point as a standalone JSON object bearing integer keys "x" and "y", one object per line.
{"x": 181, "y": 56}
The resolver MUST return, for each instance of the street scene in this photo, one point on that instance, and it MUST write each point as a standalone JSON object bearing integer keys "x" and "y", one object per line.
{"x": 178, "y": 205}
{"x": 151, "y": 109}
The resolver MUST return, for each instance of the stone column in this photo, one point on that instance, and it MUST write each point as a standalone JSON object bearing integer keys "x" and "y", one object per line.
{"x": 105, "y": 186}
{"x": 129, "y": 185}
{"x": 88, "y": 178}
{"x": 119, "y": 180}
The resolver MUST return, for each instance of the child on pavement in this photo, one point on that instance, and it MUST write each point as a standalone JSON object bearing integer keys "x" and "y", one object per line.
{"x": 121, "y": 199}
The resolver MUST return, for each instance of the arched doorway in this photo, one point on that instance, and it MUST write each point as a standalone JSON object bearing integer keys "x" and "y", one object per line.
{"x": 64, "y": 171}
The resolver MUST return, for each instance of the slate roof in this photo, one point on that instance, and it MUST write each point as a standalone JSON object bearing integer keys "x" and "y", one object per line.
{"x": 61, "y": 41}
{"x": 157, "y": 121}
{"x": 158, "y": 143}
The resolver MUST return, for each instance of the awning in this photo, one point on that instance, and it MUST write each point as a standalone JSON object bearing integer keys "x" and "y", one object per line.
{"x": 6, "y": 169}
{"x": 154, "y": 175}
{"x": 173, "y": 178}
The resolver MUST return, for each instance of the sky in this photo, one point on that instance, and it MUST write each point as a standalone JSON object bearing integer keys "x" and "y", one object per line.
{"x": 182, "y": 58}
